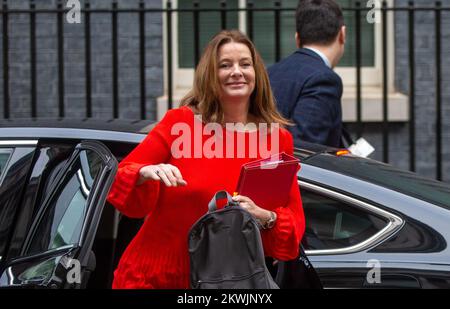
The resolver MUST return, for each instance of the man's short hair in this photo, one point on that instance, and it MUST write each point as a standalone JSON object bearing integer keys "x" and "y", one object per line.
{"x": 318, "y": 21}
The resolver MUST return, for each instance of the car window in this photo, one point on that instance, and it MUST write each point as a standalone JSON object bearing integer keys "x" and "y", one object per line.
{"x": 333, "y": 224}
{"x": 15, "y": 163}
{"x": 64, "y": 217}
{"x": 5, "y": 154}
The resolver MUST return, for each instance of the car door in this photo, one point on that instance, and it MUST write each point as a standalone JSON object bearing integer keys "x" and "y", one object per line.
{"x": 339, "y": 231}
{"x": 57, "y": 250}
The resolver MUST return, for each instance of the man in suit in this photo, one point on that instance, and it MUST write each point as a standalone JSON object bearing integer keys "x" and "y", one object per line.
{"x": 306, "y": 88}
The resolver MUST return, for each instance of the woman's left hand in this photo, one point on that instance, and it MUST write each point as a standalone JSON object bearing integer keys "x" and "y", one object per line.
{"x": 257, "y": 212}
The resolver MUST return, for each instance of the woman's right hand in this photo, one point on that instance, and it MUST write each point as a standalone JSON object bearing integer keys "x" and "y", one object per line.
{"x": 167, "y": 173}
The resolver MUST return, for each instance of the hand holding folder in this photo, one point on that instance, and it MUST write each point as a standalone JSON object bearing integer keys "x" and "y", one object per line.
{"x": 268, "y": 182}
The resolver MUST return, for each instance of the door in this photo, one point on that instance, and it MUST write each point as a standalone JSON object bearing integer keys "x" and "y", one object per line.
{"x": 339, "y": 230}
{"x": 57, "y": 251}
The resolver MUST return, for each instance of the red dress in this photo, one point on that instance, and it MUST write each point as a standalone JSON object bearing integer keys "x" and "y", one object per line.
{"x": 158, "y": 257}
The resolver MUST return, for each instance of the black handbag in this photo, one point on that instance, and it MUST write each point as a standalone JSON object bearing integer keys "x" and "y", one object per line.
{"x": 225, "y": 249}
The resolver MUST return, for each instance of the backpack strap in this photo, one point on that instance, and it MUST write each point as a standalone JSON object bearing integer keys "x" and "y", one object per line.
{"x": 212, "y": 205}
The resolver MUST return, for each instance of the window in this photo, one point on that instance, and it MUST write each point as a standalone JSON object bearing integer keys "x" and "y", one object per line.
{"x": 5, "y": 154}
{"x": 264, "y": 30}
{"x": 210, "y": 24}
{"x": 332, "y": 224}
{"x": 264, "y": 39}
{"x": 15, "y": 165}
{"x": 40, "y": 272}
{"x": 264, "y": 33}
{"x": 64, "y": 217}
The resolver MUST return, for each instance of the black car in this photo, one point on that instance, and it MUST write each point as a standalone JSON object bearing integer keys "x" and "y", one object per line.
{"x": 367, "y": 223}
{"x": 371, "y": 225}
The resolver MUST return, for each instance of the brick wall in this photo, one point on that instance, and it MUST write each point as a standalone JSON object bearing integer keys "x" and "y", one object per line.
{"x": 74, "y": 62}
{"x": 425, "y": 86}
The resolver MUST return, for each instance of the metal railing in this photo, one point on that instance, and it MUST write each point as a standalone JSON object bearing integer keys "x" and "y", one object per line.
{"x": 168, "y": 12}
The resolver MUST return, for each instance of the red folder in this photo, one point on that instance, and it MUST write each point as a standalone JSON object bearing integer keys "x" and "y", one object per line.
{"x": 268, "y": 182}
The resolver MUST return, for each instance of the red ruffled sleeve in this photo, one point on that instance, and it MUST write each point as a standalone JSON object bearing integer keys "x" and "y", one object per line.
{"x": 137, "y": 201}
{"x": 282, "y": 241}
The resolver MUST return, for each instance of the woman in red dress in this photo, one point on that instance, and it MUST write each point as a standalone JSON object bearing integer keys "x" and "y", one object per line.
{"x": 191, "y": 154}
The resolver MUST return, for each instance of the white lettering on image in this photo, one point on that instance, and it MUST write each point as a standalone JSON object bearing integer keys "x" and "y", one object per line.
{"x": 190, "y": 144}
{"x": 74, "y": 15}
{"x": 374, "y": 15}
{"x": 374, "y": 274}
{"x": 74, "y": 275}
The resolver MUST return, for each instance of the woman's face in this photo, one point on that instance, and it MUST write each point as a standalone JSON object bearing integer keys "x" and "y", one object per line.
{"x": 236, "y": 72}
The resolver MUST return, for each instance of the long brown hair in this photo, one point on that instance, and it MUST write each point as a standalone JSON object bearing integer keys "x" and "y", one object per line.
{"x": 204, "y": 96}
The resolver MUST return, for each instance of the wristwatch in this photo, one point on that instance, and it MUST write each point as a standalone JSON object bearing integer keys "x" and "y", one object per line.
{"x": 271, "y": 222}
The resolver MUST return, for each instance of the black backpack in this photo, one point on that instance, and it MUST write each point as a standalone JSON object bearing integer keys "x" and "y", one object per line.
{"x": 226, "y": 251}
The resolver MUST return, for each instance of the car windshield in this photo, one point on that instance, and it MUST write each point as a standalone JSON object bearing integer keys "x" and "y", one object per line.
{"x": 408, "y": 183}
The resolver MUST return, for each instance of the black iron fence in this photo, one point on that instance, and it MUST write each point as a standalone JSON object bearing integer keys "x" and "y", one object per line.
{"x": 358, "y": 9}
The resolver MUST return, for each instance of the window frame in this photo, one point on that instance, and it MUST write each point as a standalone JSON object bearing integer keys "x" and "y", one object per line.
{"x": 60, "y": 184}
{"x": 16, "y": 155}
{"x": 395, "y": 223}
{"x": 63, "y": 184}
{"x": 370, "y": 76}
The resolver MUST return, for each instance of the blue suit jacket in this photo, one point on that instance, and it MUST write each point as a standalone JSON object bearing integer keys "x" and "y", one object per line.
{"x": 309, "y": 93}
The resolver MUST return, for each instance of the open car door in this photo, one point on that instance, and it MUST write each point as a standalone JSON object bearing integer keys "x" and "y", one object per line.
{"x": 57, "y": 250}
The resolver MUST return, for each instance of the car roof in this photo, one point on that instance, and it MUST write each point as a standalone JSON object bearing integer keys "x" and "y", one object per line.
{"x": 384, "y": 175}
{"x": 129, "y": 131}
{"x": 102, "y": 129}
{"x": 119, "y": 125}
{"x": 305, "y": 150}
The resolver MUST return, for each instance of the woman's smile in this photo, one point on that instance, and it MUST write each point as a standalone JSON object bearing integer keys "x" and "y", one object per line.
{"x": 236, "y": 72}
